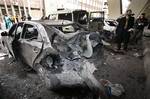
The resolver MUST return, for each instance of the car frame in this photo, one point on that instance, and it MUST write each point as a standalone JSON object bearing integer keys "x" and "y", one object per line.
{"x": 30, "y": 43}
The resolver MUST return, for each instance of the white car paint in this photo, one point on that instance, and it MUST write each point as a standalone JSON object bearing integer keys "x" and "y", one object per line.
{"x": 110, "y": 27}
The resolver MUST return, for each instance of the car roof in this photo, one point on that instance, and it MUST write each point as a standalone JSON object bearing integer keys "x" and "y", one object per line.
{"x": 66, "y": 11}
{"x": 50, "y": 22}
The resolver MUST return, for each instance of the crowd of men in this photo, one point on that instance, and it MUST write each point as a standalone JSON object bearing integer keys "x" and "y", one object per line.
{"x": 127, "y": 25}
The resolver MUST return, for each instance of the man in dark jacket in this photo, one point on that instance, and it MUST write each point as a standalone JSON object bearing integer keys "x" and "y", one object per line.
{"x": 140, "y": 23}
{"x": 125, "y": 25}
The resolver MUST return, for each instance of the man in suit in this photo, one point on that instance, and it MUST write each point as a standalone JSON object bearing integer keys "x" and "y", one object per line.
{"x": 125, "y": 25}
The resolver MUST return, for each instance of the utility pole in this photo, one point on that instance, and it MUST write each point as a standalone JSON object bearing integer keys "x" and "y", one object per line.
{"x": 120, "y": 6}
{"x": 43, "y": 9}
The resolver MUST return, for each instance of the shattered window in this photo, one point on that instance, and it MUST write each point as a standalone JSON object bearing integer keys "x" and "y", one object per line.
{"x": 19, "y": 30}
{"x": 68, "y": 29}
{"x": 52, "y": 16}
{"x": 71, "y": 28}
{"x": 80, "y": 17}
{"x": 29, "y": 32}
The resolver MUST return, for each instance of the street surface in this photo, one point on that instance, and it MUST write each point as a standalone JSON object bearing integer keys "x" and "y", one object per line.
{"x": 16, "y": 82}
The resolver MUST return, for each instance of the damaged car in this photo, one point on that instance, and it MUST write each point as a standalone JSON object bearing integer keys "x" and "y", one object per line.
{"x": 57, "y": 51}
{"x": 109, "y": 29}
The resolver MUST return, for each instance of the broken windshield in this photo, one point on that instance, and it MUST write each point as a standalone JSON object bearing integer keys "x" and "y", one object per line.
{"x": 70, "y": 28}
{"x": 65, "y": 16}
{"x": 80, "y": 17}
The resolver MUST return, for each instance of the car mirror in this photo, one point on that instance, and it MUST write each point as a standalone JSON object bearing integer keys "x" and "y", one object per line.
{"x": 4, "y": 33}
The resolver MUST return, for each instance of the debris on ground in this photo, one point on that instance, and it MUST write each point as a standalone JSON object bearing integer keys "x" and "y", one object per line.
{"x": 112, "y": 89}
{"x": 112, "y": 54}
{"x": 105, "y": 63}
{"x": 118, "y": 58}
{"x": 138, "y": 55}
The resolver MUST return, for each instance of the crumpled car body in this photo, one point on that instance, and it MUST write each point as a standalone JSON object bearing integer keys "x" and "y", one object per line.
{"x": 59, "y": 58}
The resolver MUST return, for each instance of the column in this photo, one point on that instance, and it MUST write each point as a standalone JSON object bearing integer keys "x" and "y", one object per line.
{"x": 92, "y": 5}
{"x": 29, "y": 6}
{"x": 44, "y": 8}
{"x": 12, "y": 8}
{"x": 19, "y": 2}
{"x": 95, "y": 5}
{"x": 6, "y": 8}
{"x": 24, "y": 8}
{"x": 86, "y": 5}
{"x": 1, "y": 15}
{"x": 41, "y": 7}
{"x": 20, "y": 14}
{"x": 81, "y": 4}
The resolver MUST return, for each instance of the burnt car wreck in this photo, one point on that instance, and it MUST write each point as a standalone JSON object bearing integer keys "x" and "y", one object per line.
{"x": 57, "y": 50}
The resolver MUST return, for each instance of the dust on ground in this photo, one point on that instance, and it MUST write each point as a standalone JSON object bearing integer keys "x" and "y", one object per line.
{"x": 17, "y": 83}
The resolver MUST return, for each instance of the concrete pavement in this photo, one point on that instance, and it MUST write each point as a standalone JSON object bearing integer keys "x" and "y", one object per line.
{"x": 146, "y": 53}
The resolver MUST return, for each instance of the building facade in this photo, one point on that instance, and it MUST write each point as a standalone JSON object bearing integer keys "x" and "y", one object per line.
{"x": 118, "y": 7}
{"x": 140, "y": 6}
{"x": 114, "y": 8}
{"x": 89, "y": 5}
{"x": 22, "y": 7}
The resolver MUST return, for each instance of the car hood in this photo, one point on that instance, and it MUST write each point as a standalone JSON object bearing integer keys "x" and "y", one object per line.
{"x": 79, "y": 44}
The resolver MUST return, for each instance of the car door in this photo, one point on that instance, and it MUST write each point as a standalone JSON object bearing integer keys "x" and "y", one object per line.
{"x": 7, "y": 40}
{"x": 30, "y": 43}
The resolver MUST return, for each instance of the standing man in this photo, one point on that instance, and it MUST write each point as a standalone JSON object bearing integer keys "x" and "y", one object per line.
{"x": 140, "y": 23}
{"x": 125, "y": 25}
{"x": 8, "y": 21}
